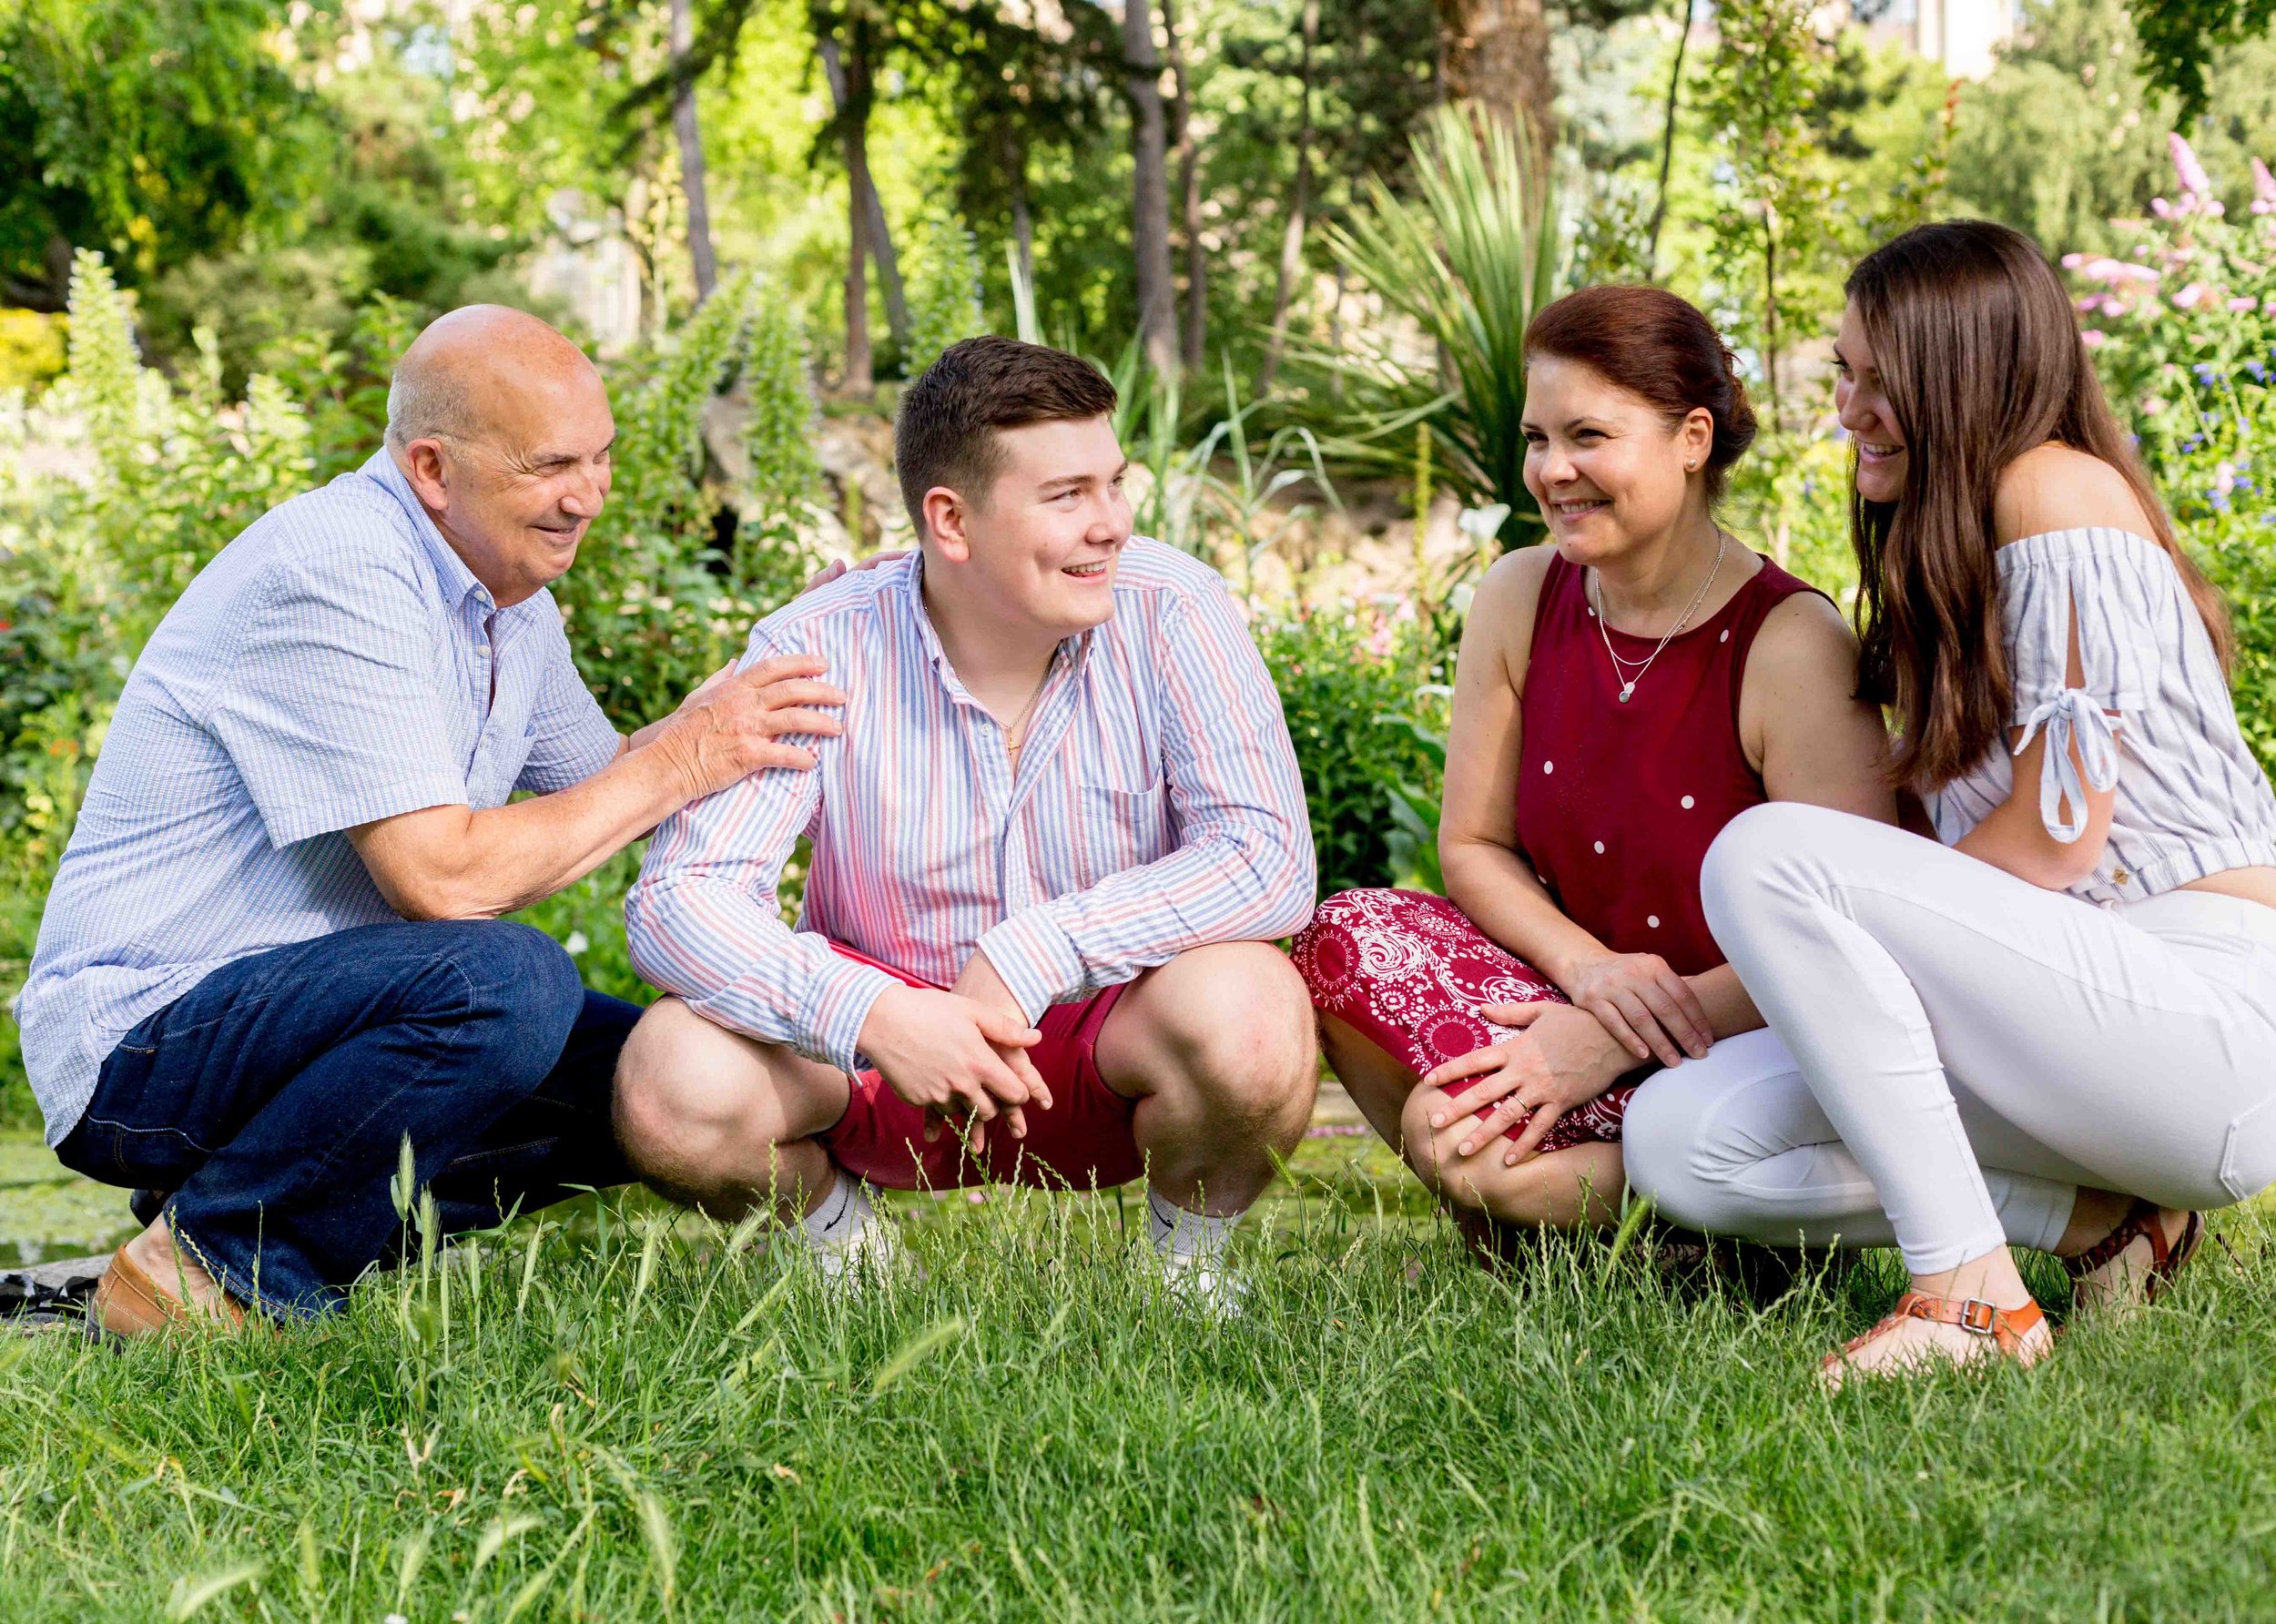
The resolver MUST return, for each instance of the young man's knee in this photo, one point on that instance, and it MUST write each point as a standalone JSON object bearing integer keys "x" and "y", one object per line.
{"x": 1240, "y": 1021}
{"x": 684, "y": 1095}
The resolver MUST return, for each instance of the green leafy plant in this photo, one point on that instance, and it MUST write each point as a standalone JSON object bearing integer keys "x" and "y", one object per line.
{"x": 1458, "y": 267}
{"x": 943, "y": 290}
{"x": 1360, "y": 687}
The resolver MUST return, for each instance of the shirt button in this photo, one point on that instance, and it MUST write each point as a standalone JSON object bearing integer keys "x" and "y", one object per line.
{"x": 2120, "y": 877}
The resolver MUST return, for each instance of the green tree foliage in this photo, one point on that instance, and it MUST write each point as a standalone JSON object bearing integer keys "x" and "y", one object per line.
{"x": 2180, "y": 39}
{"x": 152, "y": 132}
{"x": 1774, "y": 227}
{"x": 2064, "y": 138}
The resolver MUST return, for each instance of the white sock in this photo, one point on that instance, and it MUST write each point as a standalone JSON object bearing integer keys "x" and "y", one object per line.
{"x": 842, "y": 1217}
{"x": 1182, "y": 1239}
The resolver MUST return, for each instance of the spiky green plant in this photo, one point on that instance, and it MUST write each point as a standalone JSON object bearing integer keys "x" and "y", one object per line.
{"x": 1459, "y": 269}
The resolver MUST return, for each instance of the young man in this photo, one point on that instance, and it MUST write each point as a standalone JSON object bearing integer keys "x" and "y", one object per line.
{"x": 1065, "y": 796}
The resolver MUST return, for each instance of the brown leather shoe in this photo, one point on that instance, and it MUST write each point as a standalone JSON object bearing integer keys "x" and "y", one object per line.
{"x": 128, "y": 1302}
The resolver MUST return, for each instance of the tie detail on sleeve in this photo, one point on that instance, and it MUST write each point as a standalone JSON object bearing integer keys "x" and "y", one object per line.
{"x": 2071, "y": 718}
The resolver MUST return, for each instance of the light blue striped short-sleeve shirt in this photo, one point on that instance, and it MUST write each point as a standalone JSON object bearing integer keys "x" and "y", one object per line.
{"x": 2153, "y": 717}
{"x": 334, "y": 664}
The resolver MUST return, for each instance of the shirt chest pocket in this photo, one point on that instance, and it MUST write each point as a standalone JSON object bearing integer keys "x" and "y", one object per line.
{"x": 499, "y": 755}
{"x": 1120, "y": 827}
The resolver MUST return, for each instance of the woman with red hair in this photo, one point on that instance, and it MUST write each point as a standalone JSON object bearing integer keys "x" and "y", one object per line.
{"x": 1621, "y": 694}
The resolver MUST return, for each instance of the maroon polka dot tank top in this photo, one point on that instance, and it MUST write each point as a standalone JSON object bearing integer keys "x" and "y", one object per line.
{"x": 1618, "y": 802}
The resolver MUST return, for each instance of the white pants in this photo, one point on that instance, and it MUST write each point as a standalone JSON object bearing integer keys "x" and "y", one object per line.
{"x": 1967, "y": 1049}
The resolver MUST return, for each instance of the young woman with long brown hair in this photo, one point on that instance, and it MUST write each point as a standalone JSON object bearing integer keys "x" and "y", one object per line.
{"x": 2074, "y": 994}
{"x": 1620, "y": 693}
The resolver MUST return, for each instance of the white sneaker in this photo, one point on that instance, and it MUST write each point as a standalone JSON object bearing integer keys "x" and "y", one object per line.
{"x": 1207, "y": 1286}
{"x": 874, "y": 1256}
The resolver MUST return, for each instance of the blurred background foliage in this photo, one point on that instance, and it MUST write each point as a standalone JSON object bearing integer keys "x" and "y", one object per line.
{"x": 1304, "y": 235}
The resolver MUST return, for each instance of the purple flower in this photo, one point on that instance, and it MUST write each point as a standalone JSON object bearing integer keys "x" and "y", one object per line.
{"x": 2190, "y": 173}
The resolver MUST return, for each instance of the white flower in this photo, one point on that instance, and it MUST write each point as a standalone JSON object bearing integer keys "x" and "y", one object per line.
{"x": 1483, "y": 522}
{"x": 576, "y": 943}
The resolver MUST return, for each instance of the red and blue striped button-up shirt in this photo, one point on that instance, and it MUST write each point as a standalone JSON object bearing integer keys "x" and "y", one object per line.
{"x": 1156, "y": 807}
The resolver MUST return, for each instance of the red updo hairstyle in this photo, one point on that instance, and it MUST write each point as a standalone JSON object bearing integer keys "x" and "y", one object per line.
{"x": 1660, "y": 349}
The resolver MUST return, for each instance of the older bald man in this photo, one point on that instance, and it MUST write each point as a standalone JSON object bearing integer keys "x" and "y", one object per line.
{"x": 273, "y": 958}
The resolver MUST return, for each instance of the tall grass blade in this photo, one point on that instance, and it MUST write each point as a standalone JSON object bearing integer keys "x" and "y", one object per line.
{"x": 191, "y": 1595}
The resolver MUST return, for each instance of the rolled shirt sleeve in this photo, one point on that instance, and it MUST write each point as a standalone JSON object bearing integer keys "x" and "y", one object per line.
{"x": 1244, "y": 869}
{"x": 703, "y": 921}
{"x": 329, "y": 709}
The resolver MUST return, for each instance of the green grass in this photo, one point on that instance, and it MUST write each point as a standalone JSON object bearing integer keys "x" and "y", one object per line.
{"x": 624, "y": 1417}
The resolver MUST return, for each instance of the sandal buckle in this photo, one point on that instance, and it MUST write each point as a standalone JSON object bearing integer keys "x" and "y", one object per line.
{"x": 1977, "y": 1317}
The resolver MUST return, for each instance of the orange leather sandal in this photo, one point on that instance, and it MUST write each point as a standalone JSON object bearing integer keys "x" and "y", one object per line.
{"x": 2167, "y": 1259}
{"x": 129, "y": 1304}
{"x": 2007, "y": 1327}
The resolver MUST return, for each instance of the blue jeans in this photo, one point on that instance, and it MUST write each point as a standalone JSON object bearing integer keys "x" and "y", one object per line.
{"x": 273, "y": 1099}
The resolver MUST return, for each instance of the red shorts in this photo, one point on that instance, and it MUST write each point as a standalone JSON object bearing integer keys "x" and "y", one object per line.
{"x": 1085, "y": 1142}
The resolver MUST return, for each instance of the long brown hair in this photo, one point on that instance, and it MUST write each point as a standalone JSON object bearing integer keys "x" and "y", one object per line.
{"x": 1978, "y": 350}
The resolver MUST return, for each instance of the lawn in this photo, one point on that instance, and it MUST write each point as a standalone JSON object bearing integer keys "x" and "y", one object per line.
{"x": 624, "y": 1417}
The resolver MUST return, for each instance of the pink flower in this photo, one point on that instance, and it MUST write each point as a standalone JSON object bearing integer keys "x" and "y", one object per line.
{"x": 2192, "y": 174}
{"x": 2263, "y": 188}
{"x": 2161, "y": 209}
{"x": 2225, "y": 479}
{"x": 2195, "y": 294}
{"x": 2240, "y": 305}
{"x": 2073, "y": 261}
{"x": 2094, "y": 337}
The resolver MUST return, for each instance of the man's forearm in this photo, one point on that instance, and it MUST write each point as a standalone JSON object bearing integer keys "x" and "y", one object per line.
{"x": 509, "y": 856}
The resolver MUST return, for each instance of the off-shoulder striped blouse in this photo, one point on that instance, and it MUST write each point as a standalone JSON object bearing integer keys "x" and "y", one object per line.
{"x": 2153, "y": 716}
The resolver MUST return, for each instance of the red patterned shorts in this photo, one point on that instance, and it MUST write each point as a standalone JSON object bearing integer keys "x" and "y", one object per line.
{"x": 1408, "y": 972}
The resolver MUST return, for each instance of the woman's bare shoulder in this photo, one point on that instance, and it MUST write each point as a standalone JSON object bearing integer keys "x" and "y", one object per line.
{"x": 1806, "y": 634}
{"x": 2058, "y": 487}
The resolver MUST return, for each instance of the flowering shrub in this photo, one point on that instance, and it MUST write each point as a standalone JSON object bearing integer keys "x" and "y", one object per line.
{"x": 2183, "y": 329}
{"x": 1359, "y": 685}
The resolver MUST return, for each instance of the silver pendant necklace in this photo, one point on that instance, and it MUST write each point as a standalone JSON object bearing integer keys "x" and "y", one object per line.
{"x": 1619, "y": 666}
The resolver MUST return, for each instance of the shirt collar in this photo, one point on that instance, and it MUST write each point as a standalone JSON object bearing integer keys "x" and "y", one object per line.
{"x": 1074, "y": 651}
{"x": 456, "y": 581}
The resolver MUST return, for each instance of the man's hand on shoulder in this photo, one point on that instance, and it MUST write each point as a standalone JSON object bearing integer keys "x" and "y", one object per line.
{"x": 963, "y": 1060}
{"x": 733, "y": 724}
{"x": 837, "y": 567}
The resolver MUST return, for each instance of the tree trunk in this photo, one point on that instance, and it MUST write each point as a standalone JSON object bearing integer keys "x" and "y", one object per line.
{"x": 1299, "y": 203}
{"x": 1189, "y": 182}
{"x": 860, "y": 368}
{"x": 1770, "y": 313}
{"x": 1150, "y": 191}
{"x": 852, "y": 94}
{"x": 1495, "y": 53}
{"x": 691, "y": 143}
{"x": 1667, "y": 137}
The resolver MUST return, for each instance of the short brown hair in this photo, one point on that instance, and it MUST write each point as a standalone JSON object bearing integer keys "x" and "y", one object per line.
{"x": 946, "y": 432}
{"x": 1660, "y": 349}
